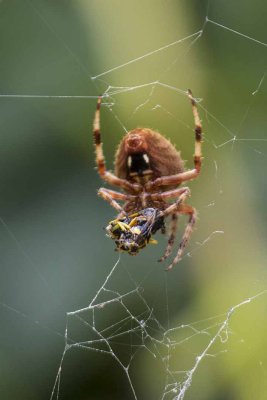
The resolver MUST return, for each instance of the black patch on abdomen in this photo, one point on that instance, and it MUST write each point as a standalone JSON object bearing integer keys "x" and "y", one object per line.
{"x": 139, "y": 164}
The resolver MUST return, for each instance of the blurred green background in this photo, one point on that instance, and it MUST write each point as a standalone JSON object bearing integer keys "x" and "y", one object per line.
{"x": 54, "y": 253}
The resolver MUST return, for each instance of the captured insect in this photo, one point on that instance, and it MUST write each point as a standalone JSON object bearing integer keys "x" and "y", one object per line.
{"x": 132, "y": 233}
{"x": 149, "y": 170}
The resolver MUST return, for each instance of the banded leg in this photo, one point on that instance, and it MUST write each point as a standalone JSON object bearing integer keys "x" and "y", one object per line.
{"x": 187, "y": 175}
{"x": 100, "y": 159}
{"x": 111, "y": 196}
{"x": 173, "y": 229}
{"x": 180, "y": 208}
{"x": 184, "y": 209}
{"x": 198, "y": 133}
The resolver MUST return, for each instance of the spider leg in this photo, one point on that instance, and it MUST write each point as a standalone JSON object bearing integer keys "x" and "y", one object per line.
{"x": 198, "y": 133}
{"x": 169, "y": 194}
{"x": 173, "y": 208}
{"x": 172, "y": 236}
{"x": 111, "y": 196}
{"x": 172, "y": 180}
{"x": 180, "y": 208}
{"x": 184, "y": 209}
{"x": 100, "y": 159}
{"x": 187, "y": 175}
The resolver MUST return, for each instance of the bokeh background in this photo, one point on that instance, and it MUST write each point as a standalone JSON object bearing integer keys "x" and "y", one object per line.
{"x": 54, "y": 253}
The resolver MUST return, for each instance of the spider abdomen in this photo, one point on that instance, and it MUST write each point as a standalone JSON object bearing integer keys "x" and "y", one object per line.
{"x": 143, "y": 150}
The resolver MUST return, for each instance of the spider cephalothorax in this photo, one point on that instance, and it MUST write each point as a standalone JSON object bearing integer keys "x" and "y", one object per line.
{"x": 149, "y": 170}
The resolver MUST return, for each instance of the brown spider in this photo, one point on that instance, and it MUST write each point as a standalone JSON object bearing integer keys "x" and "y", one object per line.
{"x": 149, "y": 169}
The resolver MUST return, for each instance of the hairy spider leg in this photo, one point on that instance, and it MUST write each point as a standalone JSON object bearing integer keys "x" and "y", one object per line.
{"x": 191, "y": 211}
{"x": 111, "y": 196}
{"x": 180, "y": 208}
{"x": 172, "y": 236}
{"x": 169, "y": 194}
{"x": 187, "y": 175}
{"x": 164, "y": 196}
{"x": 198, "y": 133}
{"x": 100, "y": 159}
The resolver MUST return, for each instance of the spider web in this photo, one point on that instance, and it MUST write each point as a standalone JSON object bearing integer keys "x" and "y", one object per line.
{"x": 199, "y": 331}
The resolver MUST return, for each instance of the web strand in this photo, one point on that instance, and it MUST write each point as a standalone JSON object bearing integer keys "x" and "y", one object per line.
{"x": 147, "y": 55}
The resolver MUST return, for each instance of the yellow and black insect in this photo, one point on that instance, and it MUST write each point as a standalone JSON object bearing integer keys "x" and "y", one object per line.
{"x": 132, "y": 233}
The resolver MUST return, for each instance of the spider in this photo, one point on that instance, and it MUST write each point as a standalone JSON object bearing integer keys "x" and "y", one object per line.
{"x": 149, "y": 170}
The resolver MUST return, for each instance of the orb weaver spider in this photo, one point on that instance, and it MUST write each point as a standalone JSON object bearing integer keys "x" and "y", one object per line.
{"x": 149, "y": 170}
